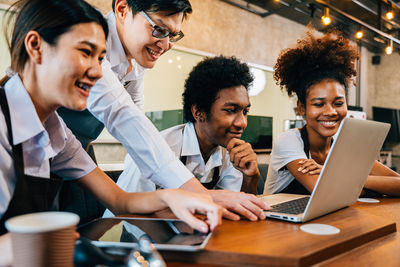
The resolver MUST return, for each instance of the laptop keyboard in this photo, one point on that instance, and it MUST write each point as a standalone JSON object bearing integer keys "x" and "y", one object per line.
{"x": 295, "y": 206}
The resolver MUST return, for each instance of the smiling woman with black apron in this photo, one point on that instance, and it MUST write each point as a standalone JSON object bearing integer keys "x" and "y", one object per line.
{"x": 57, "y": 47}
{"x": 31, "y": 194}
{"x": 36, "y": 148}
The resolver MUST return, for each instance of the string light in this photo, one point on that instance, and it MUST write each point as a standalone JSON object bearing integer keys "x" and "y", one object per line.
{"x": 390, "y": 13}
{"x": 326, "y": 19}
{"x": 389, "y": 48}
{"x": 359, "y": 34}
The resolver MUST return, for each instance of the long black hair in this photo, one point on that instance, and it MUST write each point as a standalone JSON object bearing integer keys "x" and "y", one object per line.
{"x": 50, "y": 18}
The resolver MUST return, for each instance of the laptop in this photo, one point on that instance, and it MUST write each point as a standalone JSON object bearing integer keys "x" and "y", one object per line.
{"x": 343, "y": 175}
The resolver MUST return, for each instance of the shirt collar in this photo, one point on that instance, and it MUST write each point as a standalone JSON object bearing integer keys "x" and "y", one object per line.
{"x": 190, "y": 144}
{"x": 191, "y": 147}
{"x": 116, "y": 54}
{"x": 55, "y": 128}
{"x": 25, "y": 122}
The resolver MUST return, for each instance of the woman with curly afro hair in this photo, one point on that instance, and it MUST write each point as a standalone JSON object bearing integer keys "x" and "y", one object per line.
{"x": 318, "y": 70}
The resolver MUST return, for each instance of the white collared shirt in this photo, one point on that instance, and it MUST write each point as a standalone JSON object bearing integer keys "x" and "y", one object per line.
{"x": 132, "y": 81}
{"x": 185, "y": 143}
{"x": 40, "y": 142}
{"x": 110, "y": 103}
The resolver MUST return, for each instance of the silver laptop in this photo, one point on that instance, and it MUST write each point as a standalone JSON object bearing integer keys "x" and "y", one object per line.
{"x": 342, "y": 177}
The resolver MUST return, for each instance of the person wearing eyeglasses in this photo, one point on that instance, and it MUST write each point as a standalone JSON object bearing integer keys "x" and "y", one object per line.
{"x": 140, "y": 32}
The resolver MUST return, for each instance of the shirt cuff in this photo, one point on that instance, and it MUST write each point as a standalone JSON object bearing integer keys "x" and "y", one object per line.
{"x": 173, "y": 175}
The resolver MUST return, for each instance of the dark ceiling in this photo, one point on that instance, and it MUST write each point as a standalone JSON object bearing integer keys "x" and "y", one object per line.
{"x": 347, "y": 16}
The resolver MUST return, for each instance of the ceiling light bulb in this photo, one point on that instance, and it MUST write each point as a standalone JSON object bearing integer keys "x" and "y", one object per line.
{"x": 359, "y": 34}
{"x": 389, "y": 50}
{"x": 277, "y": 1}
{"x": 326, "y": 19}
{"x": 390, "y": 15}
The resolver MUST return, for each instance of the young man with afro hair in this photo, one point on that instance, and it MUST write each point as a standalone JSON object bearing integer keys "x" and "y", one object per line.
{"x": 215, "y": 106}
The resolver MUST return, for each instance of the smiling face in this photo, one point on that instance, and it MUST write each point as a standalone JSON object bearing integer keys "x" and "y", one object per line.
{"x": 69, "y": 68}
{"x": 325, "y": 107}
{"x": 135, "y": 33}
{"x": 227, "y": 118}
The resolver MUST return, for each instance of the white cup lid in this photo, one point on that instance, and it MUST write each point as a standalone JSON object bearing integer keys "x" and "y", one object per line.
{"x": 41, "y": 222}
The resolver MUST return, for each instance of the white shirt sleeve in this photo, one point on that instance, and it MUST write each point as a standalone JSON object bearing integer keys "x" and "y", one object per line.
{"x": 131, "y": 179}
{"x": 72, "y": 162}
{"x": 111, "y": 104}
{"x": 286, "y": 148}
{"x": 136, "y": 90}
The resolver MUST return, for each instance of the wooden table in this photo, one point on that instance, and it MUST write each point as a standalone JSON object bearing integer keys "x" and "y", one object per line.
{"x": 368, "y": 238}
{"x": 382, "y": 252}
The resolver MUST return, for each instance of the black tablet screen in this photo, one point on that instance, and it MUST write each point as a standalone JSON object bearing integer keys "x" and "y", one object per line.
{"x": 130, "y": 230}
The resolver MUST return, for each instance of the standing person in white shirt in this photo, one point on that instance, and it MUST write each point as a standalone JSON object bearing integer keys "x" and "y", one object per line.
{"x": 140, "y": 32}
{"x": 216, "y": 104}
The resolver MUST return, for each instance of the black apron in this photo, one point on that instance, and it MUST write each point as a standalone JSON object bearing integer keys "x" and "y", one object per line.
{"x": 295, "y": 187}
{"x": 31, "y": 194}
{"x": 82, "y": 124}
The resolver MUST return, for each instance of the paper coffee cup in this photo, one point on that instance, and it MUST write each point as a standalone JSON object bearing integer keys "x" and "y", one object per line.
{"x": 43, "y": 238}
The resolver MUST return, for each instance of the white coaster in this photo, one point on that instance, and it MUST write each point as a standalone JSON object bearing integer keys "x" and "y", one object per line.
{"x": 368, "y": 200}
{"x": 319, "y": 229}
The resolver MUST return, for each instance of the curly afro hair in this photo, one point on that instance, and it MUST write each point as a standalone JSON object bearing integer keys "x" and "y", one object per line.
{"x": 314, "y": 59}
{"x": 209, "y": 77}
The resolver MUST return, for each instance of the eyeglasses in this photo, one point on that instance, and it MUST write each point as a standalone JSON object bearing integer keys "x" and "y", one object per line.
{"x": 160, "y": 32}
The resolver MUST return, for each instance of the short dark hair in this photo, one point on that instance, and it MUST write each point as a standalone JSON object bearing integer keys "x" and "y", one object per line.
{"x": 174, "y": 6}
{"x": 208, "y": 78}
{"x": 314, "y": 59}
{"x": 50, "y": 18}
